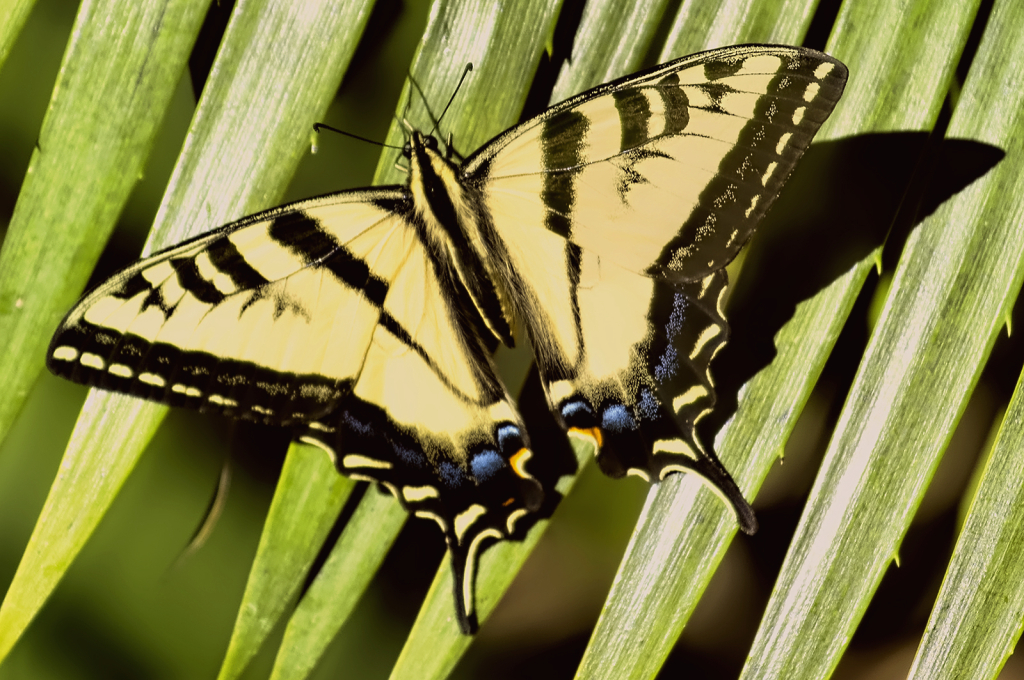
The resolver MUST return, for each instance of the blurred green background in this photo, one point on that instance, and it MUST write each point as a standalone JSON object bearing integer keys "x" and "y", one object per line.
{"x": 128, "y": 608}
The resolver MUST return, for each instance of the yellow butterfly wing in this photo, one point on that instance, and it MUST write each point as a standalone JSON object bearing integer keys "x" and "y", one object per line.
{"x": 248, "y": 321}
{"x": 684, "y": 158}
{"x": 618, "y": 209}
{"x": 331, "y": 316}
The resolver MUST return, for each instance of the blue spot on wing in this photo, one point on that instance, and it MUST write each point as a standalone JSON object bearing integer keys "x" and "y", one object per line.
{"x": 677, "y": 317}
{"x": 648, "y": 406}
{"x": 407, "y": 455}
{"x": 451, "y": 474}
{"x": 668, "y": 362}
{"x": 574, "y": 407}
{"x": 509, "y": 432}
{"x": 617, "y": 419}
{"x": 486, "y": 464}
{"x": 356, "y": 426}
{"x": 668, "y": 365}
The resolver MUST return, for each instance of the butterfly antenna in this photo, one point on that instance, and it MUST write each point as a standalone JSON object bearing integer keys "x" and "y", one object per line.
{"x": 321, "y": 126}
{"x": 404, "y": 120}
{"x": 465, "y": 72}
{"x": 419, "y": 90}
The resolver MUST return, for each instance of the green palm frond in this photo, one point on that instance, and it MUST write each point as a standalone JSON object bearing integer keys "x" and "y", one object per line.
{"x": 931, "y": 196}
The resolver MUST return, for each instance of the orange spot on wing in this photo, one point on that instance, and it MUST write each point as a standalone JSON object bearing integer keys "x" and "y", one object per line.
{"x": 590, "y": 433}
{"x": 518, "y": 461}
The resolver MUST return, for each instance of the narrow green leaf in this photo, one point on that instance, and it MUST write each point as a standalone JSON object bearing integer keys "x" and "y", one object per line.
{"x": 703, "y": 25}
{"x": 119, "y": 71}
{"x": 116, "y": 80}
{"x": 902, "y": 58}
{"x": 351, "y": 566}
{"x": 250, "y": 130}
{"x": 13, "y": 14}
{"x": 612, "y": 40}
{"x": 310, "y": 494}
{"x": 976, "y": 621}
{"x": 945, "y": 306}
{"x": 84, "y": 483}
{"x": 277, "y": 69}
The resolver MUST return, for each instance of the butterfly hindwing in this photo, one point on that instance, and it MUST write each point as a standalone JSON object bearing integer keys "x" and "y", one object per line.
{"x": 642, "y": 380}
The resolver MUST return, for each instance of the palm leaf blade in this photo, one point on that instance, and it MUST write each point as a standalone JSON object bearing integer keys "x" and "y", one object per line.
{"x": 975, "y": 622}
{"x": 885, "y": 447}
{"x": 237, "y": 158}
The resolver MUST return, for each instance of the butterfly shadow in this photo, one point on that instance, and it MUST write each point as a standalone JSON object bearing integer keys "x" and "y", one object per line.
{"x": 846, "y": 198}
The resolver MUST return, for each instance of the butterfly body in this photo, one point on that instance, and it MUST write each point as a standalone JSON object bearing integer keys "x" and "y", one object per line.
{"x": 365, "y": 319}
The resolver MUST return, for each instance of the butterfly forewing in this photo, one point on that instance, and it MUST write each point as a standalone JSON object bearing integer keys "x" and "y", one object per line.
{"x": 684, "y": 159}
{"x": 266, "y": 319}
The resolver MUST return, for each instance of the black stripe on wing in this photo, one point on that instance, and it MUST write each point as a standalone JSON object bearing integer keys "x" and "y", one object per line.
{"x": 302, "y": 235}
{"x": 199, "y": 274}
{"x": 634, "y": 115}
{"x": 562, "y": 143}
{"x": 751, "y": 174}
{"x": 164, "y": 373}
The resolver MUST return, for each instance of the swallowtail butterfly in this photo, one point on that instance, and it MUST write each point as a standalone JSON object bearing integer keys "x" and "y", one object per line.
{"x": 363, "y": 319}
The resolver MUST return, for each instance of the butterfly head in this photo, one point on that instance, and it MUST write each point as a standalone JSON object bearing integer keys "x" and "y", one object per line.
{"x": 433, "y": 178}
{"x": 418, "y": 139}
{"x": 426, "y": 160}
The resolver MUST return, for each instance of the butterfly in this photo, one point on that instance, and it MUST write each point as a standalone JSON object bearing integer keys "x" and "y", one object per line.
{"x": 365, "y": 320}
